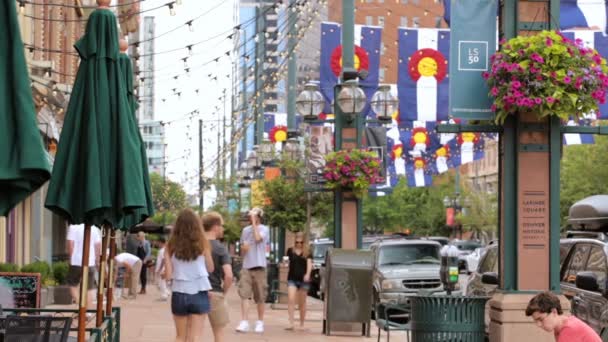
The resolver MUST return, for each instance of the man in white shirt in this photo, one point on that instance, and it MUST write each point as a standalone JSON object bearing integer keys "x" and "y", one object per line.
{"x": 133, "y": 265}
{"x": 75, "y": 239}
{"x": 159, "y": 270}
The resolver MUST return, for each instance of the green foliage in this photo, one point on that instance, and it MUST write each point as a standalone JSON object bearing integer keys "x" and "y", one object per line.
{"x": 232, "y": 226}
{"x": 481, "y": 213}
{"x": 286, "y": 207}
{"x": 8, "y": 267}
{"x": 60, "y": 272}
{"x": 169, "y": 198}
{"x": 41, "y": 267}
{"x": 583, "y": 173}
{"x": 354, "y": 170}
{"x": 548, "y": 74}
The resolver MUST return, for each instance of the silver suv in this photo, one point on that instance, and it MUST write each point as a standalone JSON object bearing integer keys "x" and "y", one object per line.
{"x": 402, "y": 267}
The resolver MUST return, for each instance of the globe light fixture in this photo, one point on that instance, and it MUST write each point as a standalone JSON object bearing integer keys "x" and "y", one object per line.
{"x": 384, "y": 103}
{"x": 351, "y": 98}
{"x": 266, "y": 152}
{"x": 310, "y": 102}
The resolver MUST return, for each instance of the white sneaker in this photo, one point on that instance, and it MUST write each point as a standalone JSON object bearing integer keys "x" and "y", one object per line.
{"x": 259, "y": 327}
{"x": 243, "y": 327}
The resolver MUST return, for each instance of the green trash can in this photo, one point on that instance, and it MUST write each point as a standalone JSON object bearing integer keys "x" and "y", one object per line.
{"x": 448, "y": 318}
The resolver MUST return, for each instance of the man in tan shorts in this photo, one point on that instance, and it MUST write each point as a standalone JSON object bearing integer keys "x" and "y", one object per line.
{"x": 254, "y": 239}
{"x": 221, "y": 277}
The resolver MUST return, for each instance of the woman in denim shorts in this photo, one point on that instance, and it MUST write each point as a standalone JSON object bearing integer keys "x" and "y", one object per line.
{"x": 298, "y": 278}
{"x": 188, "y": 263}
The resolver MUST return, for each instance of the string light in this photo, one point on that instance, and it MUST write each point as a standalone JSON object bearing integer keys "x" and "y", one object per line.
{"x": 22, "y": 7}
{"x": 190, "y": 27}
{"x": 171, "y": 9}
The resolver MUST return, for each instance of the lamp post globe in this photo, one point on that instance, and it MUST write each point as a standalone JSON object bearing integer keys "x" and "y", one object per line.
{"x": 384, "y": 103}
{"x": 310, "y": 102}
{"x": 351, "y": 99}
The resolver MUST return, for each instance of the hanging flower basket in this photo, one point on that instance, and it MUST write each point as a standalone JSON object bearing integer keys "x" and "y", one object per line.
{"x": 547, "y": 74}
{"x": 353, "y": 170}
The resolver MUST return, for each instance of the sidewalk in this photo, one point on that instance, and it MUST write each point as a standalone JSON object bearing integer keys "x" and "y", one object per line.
{"x": 146, "y": 319}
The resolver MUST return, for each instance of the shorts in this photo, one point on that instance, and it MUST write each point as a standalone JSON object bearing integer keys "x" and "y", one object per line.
{"x": 183, "y": 304}
{"x": 218, "y": 316}
{"x": 253, "y": 282}
{"x": 301, "y": 285}
{"x": 74, "y": 276}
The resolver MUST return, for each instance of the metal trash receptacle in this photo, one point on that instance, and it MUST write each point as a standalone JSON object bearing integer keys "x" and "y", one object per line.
{"x": 348, "y": 288}
{"x": 448, "y": 318}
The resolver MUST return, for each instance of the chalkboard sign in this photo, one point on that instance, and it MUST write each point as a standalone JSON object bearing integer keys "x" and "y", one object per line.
{"x": 24, "y": 286}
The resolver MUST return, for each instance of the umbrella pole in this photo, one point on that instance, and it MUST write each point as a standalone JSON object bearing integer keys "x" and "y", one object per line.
{"x": 102, "y": 273}
{"x": 82, "y": 305}
{"x": 110, "y": 294}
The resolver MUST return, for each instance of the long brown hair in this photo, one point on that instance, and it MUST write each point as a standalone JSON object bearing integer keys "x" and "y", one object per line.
{"x": 187, "y": 240}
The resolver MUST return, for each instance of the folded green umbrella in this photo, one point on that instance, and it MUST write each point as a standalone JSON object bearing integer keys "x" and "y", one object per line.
{"x": 139, "y": 215}
{"x": 24, "y": 164}
{"x": 97, "y": 175}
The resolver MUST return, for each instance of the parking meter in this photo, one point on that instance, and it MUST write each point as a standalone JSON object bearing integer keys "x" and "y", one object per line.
{"x": 448, "y": 272}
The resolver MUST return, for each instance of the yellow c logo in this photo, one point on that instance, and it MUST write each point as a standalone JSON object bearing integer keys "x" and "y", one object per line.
{"x": 427, "y": 67}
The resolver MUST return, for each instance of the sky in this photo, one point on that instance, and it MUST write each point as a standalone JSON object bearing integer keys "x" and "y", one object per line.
{"x": 182, "y": 131}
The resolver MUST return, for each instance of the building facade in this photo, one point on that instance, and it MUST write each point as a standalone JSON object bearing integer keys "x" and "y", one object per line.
{"x": 482, "y": 175}
{"x": 392, "y": 14}
{"x": 49, "y": 30}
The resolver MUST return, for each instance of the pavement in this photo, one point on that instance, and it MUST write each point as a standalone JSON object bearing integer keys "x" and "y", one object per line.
{"x": 146, "y": 319}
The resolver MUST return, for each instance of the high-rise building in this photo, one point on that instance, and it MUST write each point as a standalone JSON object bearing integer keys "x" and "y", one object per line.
{"x": 392, "y": 14}
{"x": 309, "y": 46}
{"x": 152, "y": 131}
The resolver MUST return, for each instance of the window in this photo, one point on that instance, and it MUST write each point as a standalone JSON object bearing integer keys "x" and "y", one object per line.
{"x": 416, "y": 22}
{"x": 403, "y": 22}
{"x": 597, "y": 265}
{"x": 408, "y": 254}
{"x": 369, "y": 20}
{"x": 576, "y": 263}
{"x": 381, "y": 73}
{"x": 381, "y": 21}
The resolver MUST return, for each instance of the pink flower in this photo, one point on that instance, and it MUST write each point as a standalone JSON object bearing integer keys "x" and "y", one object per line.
{"x": 493, "y": 108}
{"x": 485, "y": 75}
{"x": 567, "y": 80}
{"x": 550, "y": 99}
{"x": 537, "y": 58}
{"x": 494, "y": 91}
{"x": 515, "y": 84}
{"x": 538, "y": 100}
{"x": 549, "y": 42}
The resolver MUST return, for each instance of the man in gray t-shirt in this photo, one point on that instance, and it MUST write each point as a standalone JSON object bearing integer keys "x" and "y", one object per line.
{"x": 221, "y": 277}
{"x": 252, "y": 282}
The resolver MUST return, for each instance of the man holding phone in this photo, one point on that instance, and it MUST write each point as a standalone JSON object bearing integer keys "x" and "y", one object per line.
{"x": 253, "y": 283}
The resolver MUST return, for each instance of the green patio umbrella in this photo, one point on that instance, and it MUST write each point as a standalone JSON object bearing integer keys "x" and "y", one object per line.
{"x": 24, "y": 164}
{"x": 97, "y": 176}
{"x": 139, "y": 215}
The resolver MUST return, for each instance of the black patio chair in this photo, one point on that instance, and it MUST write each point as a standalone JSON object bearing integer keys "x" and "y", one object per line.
{"x": 36, "y": 328}
{"x": 390, "y": 317}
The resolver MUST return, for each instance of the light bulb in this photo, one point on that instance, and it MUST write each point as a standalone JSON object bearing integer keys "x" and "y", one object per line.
{"x": 171, "y": 9}
{"x": 190, "y": 27}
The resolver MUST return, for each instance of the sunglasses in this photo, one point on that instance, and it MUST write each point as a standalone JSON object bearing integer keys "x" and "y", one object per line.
{"x": 299, "y": 242}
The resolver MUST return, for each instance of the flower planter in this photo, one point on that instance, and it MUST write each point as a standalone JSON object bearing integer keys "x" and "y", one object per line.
{"x": 352, "y": 171}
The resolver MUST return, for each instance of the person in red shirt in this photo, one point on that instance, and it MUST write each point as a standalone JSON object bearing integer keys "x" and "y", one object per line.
{"x": 546, "y": 310}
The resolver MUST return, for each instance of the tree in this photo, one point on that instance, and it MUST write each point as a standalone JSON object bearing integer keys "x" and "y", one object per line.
{"x": 480, "y": 215}
{"x": 232, "y": 226}
{"x": 285, "y": 206}
{"x": 169, "y": 198}
{"x": 583, "y": 173}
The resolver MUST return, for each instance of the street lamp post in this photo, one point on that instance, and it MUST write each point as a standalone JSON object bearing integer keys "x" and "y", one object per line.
{"x": 384, "y": 103}
{"x": 310, "y": 102}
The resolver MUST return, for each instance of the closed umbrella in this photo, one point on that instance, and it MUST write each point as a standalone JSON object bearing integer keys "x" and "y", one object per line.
{"x": 97, "y": 176}
{"x": 24, "y": 164}
{"x": 138, "y": 215}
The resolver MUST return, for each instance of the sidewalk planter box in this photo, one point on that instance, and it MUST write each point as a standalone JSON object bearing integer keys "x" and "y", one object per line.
{"x": 448, "y": 318}
{"x": 61, "y": 295}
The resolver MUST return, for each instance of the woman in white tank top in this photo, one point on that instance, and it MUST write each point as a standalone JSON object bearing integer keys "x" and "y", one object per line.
{"x": 188, "y": 263}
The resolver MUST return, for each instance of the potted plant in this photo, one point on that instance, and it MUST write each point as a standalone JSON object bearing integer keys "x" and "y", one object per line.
{"x": 354, "y": 170}
{"x": 61, "y": 293}
{"x": 546, "y": 74}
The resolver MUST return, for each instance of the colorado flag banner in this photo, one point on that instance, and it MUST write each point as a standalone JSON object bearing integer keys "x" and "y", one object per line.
{"x": 368, "y": 41}
{"x": 423, "y": 83}
{"x": 582, "y": 14}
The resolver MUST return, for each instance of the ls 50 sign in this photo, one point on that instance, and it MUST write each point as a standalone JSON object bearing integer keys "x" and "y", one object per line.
{"x": 473, "y": 40}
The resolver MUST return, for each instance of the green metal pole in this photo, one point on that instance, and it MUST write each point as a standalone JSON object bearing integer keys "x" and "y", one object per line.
{"x": 348, "y": 35}
{"x": 291, "y": 71}
{"x": 260, "y": 59}
{"x": 244, "y": 105}
{"x": 509, "y": 235}
{"x": 555, "y": 150}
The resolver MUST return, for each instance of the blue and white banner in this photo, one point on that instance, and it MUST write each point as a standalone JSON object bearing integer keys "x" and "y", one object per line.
{"x": 368, "y": 42}
{"x": 582, "y": 14}
{"x": 423, "y": 84}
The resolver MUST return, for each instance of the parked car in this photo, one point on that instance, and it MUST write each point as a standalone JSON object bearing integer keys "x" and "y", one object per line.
{"x": 441, "y": 239}
{"x": 318, "y": 249}
{"x": 472, "y": 259}
{"x": 465, "y": 247}
{"x": 402, "y": 267}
